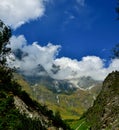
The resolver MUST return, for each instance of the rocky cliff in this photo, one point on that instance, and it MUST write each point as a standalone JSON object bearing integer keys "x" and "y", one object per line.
{"x": 104, "y": 115}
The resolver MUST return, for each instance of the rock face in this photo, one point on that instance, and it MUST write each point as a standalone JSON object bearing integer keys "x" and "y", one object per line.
{"x": 34, "y": 114}
{"x": 104, "y": 115}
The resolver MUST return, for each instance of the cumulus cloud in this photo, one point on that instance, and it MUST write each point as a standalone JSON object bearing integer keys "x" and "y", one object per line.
{"x": 88, "y": 66}
{"x": 17, "y": 42}
{"x": 17, "y": 12}
{"x": 34, "y": 56}
{"x": 31, "y": 56}
{"x": 92, "y": 66}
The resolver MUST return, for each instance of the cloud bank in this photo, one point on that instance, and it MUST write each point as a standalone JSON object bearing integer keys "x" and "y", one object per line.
{"x": 31, "y": 56}
{"x": 17, "y": 12}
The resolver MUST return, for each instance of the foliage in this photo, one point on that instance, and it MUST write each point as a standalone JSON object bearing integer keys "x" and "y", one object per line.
{"x": 115, "y": 52}
{"x": 117, "y": 9}
{"x": 11, "y": 119}
{"x": 59, "y": 122}
{"x": 105, "y": 111}
{"x": 5, "y": 34}
{"x": 79, "y": 124}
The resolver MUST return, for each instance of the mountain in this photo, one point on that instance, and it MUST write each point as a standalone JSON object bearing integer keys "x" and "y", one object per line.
{"x": 49, "y": 77}
{"x": 76, "y": 93}
{"x": 78, "y": 101}
{"x": 104, "y": 114}
{"x": 60, "y": 86}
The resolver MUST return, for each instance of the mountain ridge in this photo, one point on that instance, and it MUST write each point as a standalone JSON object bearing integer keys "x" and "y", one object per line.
{"x": 66, "y": 85}
{"x": 77, "y": 101}
{"x": 104, "y": 114}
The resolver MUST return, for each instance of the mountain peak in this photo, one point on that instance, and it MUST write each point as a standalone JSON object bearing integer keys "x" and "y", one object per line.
{"x": 111, "y": 81}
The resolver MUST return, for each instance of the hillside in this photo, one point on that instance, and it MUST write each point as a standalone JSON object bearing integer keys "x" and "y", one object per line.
{"x": 78, "y": 101}
{"x": 71, "y": 106}
{"x": 18, "y": 111}
{"x": 104, "y": 114}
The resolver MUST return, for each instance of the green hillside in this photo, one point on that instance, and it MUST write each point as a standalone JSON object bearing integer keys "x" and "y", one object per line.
{"x": 104, "y": 114}
{"x": 18, "y": 111}
{"x": 70, "y": 106}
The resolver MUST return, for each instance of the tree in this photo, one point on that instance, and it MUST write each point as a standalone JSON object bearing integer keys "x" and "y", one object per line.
{"x": 6, "y": 76}
{"x": 5, "y": 34}
{"x": 117, "y": 9}
{"x": 115, "y": 52}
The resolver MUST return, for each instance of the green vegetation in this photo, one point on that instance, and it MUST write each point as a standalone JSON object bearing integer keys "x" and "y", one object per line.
{"x": 104, "y": 114}
{"x": 105, "y": 111}
{"x": 79, "y": 124}
{"x": 70, "y": 106}
{"x": 11, "y": 119}
{"x": 115, "y": 52}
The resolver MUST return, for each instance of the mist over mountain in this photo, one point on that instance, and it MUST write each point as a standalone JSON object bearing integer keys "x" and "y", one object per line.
{"x": 56, "y": 85}
{"x": 28, "y": 57}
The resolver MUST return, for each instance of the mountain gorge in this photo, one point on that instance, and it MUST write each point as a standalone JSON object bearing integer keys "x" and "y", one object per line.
{"x": 48, "y": 87}
{"x": 57, "y": 94}
{"x": 96, "y": 104}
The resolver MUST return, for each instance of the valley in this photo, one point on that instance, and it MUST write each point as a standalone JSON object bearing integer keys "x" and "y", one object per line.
{"x": 71, "y": 105}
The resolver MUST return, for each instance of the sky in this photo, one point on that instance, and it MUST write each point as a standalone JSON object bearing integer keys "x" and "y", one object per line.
{"x": 75, "y": 36}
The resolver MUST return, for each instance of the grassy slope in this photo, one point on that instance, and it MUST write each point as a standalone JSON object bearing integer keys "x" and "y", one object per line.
{"x": 18, "y": 117}
{"x": 78, "y": 124}
{"x": 23, "y": 83}
{"x": 71, "y": 107}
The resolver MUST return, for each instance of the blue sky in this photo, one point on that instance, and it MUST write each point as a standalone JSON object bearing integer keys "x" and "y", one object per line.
{"x": 84, "y": 29}
{"x": 75, "y": 36}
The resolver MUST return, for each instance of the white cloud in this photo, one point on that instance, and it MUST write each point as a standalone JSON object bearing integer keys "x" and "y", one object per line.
{"x": 88, "y": 66}
{"x": 17, "y": 42}
{"x": 34, "y": 54}
{"x": 114, "y": 65}
{"x": 17, "y": 12}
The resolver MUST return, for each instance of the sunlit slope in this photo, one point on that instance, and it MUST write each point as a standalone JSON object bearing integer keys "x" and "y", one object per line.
{"x": 70, "y": 106}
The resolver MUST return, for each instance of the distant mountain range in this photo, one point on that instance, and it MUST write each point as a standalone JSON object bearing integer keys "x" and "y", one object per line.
{"x": 71, "y": 97}
{"x": 60, "y": 86}
{"x": 48, "y": 77}
{"x": 77, "y": 94}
